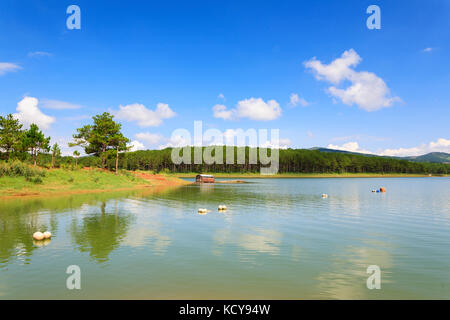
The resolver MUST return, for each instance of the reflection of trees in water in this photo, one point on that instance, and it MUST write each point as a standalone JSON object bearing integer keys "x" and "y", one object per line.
{"x": 100, "y": 234}
{"x": 16, "y": 235}
{"x": 244, "y": 194}
{"x": 20, "y": 218}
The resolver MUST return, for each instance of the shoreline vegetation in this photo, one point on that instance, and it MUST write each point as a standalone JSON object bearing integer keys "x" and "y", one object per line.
{"x": 305, "y": 175}
{"x": 24, "y": 180}
{"x": 29, "y": 181}
{"x": 31, "y": 166}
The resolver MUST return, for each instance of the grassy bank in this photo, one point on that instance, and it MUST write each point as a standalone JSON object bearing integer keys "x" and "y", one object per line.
{"x": 29, "y": 181}
{"x": 18, "y": 179}
{"x": 306, "y": 175}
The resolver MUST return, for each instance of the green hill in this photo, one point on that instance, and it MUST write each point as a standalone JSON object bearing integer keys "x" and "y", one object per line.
{"x": 435, "y": 157}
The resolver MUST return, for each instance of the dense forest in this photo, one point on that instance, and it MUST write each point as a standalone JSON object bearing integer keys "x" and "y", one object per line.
{"x": 290, "y": 161}
{"x": 106, "y": 147}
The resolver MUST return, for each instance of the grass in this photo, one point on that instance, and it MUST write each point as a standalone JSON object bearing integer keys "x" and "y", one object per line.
{"x": 303, "y": 175}
{"x": 68, "y": 181}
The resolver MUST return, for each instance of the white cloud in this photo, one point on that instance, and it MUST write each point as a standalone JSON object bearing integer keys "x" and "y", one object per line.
{"x": 427, "y": 49}
{"x": 241, "y": 138}
{"x": 39, "y": 54}
{"x": 28, "y": 113}
{"x": 349, "y": 146}
{"x": 282, "y": 144}
{"x": 221, "y": 96}
{"x": 303, "y": 102}
{"x": 309, "y": 134}
{"x": 176, "y": 142}
{"x": 220, "y": 111}
{"x": 338, "y": 70}
{"x": 136, "y": 145}
{"x": 253, "y": 108}
{"x": 440, "y": 145}
{"x": 58, "y": 105}
{"x": 8, "y": 67}
{"x": 231, "y": 137}
{"x": 360, "y": 137}
{"x": 368, "y": 91}
{"x": 149, "y": 138}
{"x": 295, "y": 100}
{"x": 153, "y": 139}
{"x": 145, "y": 117}
{"x": 257, "y": 109}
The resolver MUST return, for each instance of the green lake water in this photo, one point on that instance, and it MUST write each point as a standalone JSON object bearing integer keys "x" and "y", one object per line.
{"x": 279, "y": 239}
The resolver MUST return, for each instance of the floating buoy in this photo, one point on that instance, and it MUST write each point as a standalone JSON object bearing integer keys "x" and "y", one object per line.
{"x": 202, "y": 211}
{"x": 47, "y": 235}
{"x": 222, "y": 207}
{"x": 324, "y": 195}
{"x": 38, "y": 236}
{"x": 382, "y": 189}
{"x": 374, "y": 190}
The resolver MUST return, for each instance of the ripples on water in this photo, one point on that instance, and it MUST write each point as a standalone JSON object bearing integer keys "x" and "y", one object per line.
{"x": 278, "y": 239}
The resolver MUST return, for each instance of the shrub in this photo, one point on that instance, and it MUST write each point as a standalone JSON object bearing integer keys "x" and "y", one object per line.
{"x": 20, "y": 169}
{"x": 165, "y": 171}
{"x": 37, "y": 180}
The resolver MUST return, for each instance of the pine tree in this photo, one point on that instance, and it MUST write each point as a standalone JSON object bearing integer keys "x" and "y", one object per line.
{"x": 36, "y": 142}
{"x": 100, "y": 138}
{"x": 56, "y": 153}
{"x": 10, "y": 134}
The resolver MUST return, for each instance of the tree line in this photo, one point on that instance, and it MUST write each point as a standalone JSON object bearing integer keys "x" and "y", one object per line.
{"x": 290, "y": 161}
{"x": 103, "y": 139}
{"x": 106, "y": 147}
{"x": 17, "y": 143}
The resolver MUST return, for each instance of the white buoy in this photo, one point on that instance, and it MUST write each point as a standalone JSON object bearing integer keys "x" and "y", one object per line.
{"x": 47, "y": 235}
{"x": 202, "y": 211}
{"x": 324, "y": 195}
{"x": 38, "y": 236}
{"x": 222, "y": 207}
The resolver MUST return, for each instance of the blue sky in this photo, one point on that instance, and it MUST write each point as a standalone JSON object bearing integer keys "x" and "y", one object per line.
{"x": 182, "y": 55}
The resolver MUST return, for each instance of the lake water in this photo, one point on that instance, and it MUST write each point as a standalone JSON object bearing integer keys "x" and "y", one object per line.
{"x": 279, "y": 239}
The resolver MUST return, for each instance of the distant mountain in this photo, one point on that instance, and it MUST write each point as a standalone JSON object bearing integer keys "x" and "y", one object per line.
{"x": 436, "y": 157}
